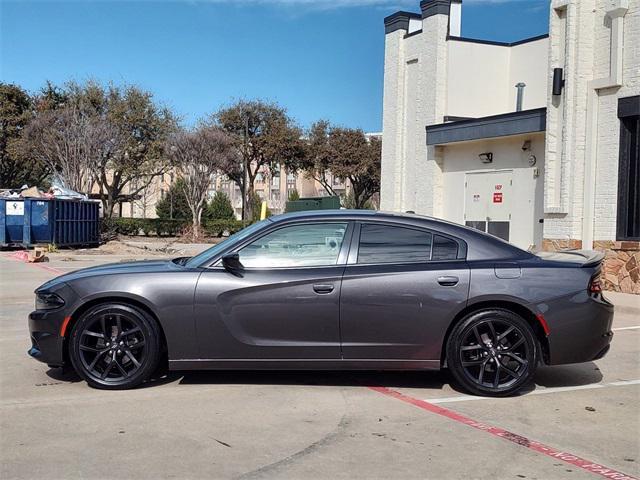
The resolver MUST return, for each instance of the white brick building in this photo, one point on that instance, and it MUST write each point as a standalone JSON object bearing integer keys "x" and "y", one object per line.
{"x": 477, "y": 132}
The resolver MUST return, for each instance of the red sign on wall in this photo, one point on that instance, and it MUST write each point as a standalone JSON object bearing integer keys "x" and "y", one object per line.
{"x": 497, "y": 197}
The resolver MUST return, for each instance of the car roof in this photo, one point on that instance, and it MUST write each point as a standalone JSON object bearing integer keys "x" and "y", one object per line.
{"x": 480, "y": 245}
{"x": 352, "y": 213}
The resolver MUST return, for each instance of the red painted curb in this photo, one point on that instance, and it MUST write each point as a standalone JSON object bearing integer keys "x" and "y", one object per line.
{"x": 22, "y": 256}
{"x": 512, "y": 437}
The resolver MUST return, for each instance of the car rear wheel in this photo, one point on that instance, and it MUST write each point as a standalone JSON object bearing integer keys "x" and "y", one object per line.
{"x": 493, "y": 352}
{"x": 115, "y": 346}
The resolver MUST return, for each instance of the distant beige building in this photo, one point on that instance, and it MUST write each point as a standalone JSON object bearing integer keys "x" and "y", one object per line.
{"x": 275, "y": 186}
{"x": 272, "y": 186}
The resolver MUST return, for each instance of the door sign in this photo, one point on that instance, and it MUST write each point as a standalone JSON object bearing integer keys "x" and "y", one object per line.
{"x": 497, "y": 197}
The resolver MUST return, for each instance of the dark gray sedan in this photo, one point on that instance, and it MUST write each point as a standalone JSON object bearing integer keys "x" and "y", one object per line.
{"x": 331, "y": 290}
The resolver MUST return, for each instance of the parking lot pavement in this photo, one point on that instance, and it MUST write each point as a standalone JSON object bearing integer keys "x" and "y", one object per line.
{"x": 580, "y": 421}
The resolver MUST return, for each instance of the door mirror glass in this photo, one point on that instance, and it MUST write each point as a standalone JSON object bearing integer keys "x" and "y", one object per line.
{"x": 309, "y": 245}
{"x": 232, "y": 262}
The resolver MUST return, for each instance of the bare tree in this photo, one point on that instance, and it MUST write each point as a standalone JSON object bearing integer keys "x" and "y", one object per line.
{"x": 198, "y": 155}
{"x": 317, "y": 159}
{"x": 69, "y": 143}
{"x": 264, "y": 135}
{"x": 356, "y": 158}
{"x": 141, "y": 129}
{"x": 347, "y": 154}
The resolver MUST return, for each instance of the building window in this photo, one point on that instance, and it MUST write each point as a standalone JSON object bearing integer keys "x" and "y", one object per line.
{"x": 628, "y": 224}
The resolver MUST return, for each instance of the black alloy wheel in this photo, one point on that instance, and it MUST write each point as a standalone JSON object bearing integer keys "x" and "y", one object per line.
{"x": 115, "y": 346}
{"x": 493, "y": 352}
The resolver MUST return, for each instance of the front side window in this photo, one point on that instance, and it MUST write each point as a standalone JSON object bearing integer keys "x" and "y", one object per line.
{"x": 309, "y": 245}
{"x": 388, "y": 244}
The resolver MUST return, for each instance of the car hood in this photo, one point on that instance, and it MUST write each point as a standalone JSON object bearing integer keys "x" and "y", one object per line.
{"x": 147, "y": 266}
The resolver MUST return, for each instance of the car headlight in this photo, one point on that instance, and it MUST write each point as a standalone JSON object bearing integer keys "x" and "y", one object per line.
{"x": 48, "y": 301}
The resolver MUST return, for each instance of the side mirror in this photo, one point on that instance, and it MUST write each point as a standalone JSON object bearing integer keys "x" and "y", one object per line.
{"x": 231, "y": 262}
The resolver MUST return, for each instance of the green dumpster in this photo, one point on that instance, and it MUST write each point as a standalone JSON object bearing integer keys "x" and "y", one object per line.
{"x": 313, "y": 203}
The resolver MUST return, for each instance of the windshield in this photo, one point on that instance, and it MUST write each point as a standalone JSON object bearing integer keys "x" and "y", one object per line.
{"x": 208, "y": 254}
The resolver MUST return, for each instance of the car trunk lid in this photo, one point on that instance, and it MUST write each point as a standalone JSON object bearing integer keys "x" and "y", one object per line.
{"x": 587, "y": 259}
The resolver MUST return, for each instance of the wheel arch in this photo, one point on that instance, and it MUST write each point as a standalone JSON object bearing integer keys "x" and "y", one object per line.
{"x": 114, "y": 298}
{"x": 509, "y": 305}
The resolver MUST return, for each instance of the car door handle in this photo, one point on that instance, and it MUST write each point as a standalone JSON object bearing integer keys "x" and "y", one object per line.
{"x": 448, "y": 281}
{"x": 323, "y": 288}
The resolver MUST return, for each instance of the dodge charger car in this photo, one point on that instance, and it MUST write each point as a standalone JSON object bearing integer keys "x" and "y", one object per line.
{"x": 331, "y": 290}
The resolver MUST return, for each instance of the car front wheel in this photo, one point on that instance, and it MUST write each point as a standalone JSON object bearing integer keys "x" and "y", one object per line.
{"x": 493, "y": 352}
{"x": 115, "y": 346}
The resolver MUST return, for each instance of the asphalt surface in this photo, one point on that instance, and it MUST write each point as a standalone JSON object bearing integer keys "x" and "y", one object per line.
{"x": 579, "y": 421}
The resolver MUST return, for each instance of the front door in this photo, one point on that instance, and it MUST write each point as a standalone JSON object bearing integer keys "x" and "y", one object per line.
{"x": 400, "y": 291}
{"x": 283, "y": 304}
{"x": 488, "y": 202}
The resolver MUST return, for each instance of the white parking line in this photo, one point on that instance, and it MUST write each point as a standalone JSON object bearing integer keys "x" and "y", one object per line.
{"x": 537, "y": 391}
{"x": 626, "y": 328}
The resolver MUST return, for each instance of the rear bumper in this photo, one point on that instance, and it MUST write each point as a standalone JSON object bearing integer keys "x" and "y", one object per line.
{"x": 47, "y": 345}
{"x": 580, "y": 328}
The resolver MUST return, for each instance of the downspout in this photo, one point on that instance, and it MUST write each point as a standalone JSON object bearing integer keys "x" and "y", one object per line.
{"x": 614, "y": 79}
{"x": 520, "y": 96}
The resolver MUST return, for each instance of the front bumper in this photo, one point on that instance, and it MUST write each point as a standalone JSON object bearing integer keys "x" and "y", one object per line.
{"x": 580, "y": 328}
{"x": 47, "y": 345}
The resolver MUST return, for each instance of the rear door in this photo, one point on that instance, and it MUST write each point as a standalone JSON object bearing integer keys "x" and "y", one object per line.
{"x": 401, "y": 288}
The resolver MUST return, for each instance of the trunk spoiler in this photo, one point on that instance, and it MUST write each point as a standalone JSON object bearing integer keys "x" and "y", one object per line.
{"x": 592, "y": 258}
{"x": 583, "y": 258}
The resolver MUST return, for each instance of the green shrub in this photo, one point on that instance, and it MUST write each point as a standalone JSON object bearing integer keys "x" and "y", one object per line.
{"x": 142, "y": 226}
{"x": 174, "y": 204}
{"x": 164, "y": 227}
{"x": 219, "y": 208}
{"x": 218, "y": 228}
{"x": 293, "y": 195}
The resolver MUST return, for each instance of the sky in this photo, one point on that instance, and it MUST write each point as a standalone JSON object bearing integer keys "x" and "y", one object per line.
{"x": 321, "y": 59}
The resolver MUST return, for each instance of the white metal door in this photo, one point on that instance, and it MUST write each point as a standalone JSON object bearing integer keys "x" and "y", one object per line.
{"x": 488, "y": 202}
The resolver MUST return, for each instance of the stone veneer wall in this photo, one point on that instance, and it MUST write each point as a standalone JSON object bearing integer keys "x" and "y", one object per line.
{"x": 621, "y": 272}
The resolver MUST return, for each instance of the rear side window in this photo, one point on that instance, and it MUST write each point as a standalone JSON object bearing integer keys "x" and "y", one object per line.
{"x": 444, "y": 248}
{"x": 387, "y": 244}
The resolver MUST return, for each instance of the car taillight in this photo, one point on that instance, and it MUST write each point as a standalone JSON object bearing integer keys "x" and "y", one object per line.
{"x": 595, "y": 284}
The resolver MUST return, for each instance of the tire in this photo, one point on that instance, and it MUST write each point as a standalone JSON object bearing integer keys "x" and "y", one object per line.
{"x": 493, "y": 352}
{"x": 115, "y": 346}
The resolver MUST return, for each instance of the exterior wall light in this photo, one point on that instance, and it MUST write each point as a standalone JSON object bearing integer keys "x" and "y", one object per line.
{"x": 486, "y": 157}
